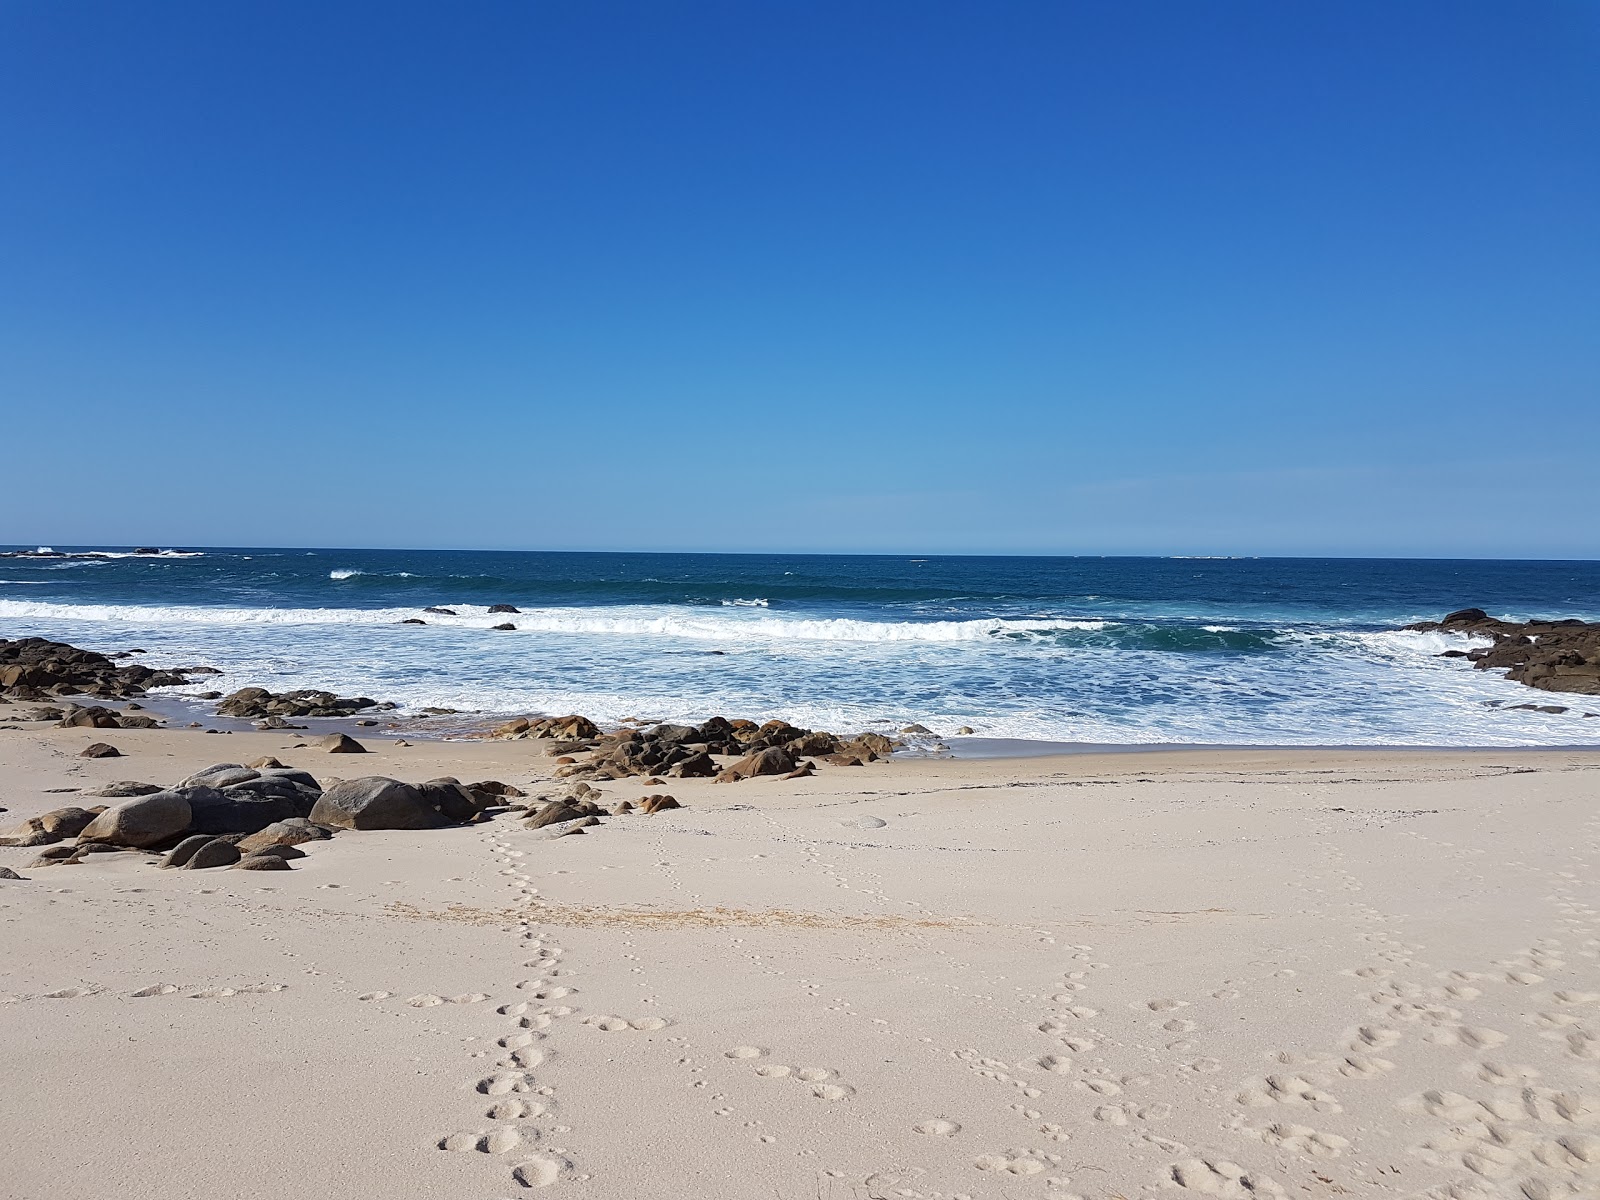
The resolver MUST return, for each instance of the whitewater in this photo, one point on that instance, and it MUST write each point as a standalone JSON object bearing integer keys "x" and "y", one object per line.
{"x": 1085, "y": 651}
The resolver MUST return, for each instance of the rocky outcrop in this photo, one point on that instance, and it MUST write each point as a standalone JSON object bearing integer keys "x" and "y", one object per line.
{"x": 37, "y": 669}
{"x": 50, "y": 827}
{"x": 376, "y": 803}
{"x": 254, "y": 702}
{"x": 1553, "y": 656}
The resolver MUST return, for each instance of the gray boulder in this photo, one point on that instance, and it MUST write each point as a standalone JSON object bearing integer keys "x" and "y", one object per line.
{"x": 184, "y": 850}
{"x": 375, "y": 803}
{"x": 218, "y": 852}
{"x": 142, "y": 821}
{"x": 261, "y": 862}
{"x": 283, "y": 833}
{"x": 124, "y": 788}
{"x": 220, "y": 775}
{"x": 217, "y": 811}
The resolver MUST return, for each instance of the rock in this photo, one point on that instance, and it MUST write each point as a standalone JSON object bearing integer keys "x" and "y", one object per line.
{"x": 413, "y": 621}
{"x": 142, "y": 821}
{"x": 100, "y": 750}
{"x": 267, "y": 763}
{"x": 261, "y": 862}
{"x": 137, "y": 722}
{"x": 554, "y": 813}
{"x": 494, "y": 787}
{"x": 443, "y": 612}
{"x": 218, "y": 852}
{"x": 506, "y": 627}
{"x": 50, "y": 827}
{"x": 41, "y": 714}
{"x": 774, "y": 760}
{"x": 184, "y": 850}
{"x": 841, "y": 760}
{"x": 504, "y": 608}
{"x": 696, "y": 766}
{"x": 55, "y": 854}
{"x": 965, "y": 730}
{"x": 625, "y": 806}
{"x": 651, "y": 805}
{"x": 208, "y": 696}
{"x": 450, "y": 799}
{"x": 246, "y": 807}
{"x": 93, "y": 717}
{"x": 84, "y": 848}
{"x": 804, "y": 771}
{"x": 339, "y": 743}
{"x": 291, "y": 832}
{"x": 254, "y": 702}
{"x": 1551, "y": 655}
{"x": 220, "y": 775}
{"x": 916, "y": 729}
{"x": 8, "y": 873}
{"x": 375, "y": 803}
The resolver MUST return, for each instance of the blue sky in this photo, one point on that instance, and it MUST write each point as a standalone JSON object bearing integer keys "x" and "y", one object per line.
{"x": 1050, "y": 277}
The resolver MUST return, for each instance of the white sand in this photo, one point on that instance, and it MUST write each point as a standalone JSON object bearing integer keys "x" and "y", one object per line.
{"x": 1298, "y": 974}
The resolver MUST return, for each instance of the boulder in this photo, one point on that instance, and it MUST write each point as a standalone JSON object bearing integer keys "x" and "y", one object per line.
{"x": 184, "y": 850}
{"x": 504, "y": 608}
{"x": 774, "y": 760}
{"x": 443, "y": 612}
{"x": 218, "y": 852}
{"x": 99, "y": 750}
{"x": 219, "y": 775}
{"x": 8, "y": 873}
{"x": 261, "y": 862}
{"x": 242, "y": 808}
{"x": 142, "y": 821}
{"x": 266, "y": 763}
{"x": 93, "y": 717}
{"x": 504, "y": 627}
{"x": 123, "y": 788}
{"x": 450, "y": 799}
{"x": 375, "y": 803}
{"x": 49, "y": 827}
{"x": 283, "y": 833}
{"x": 696, "y": 766}
{"x": 339, "y": 743}
{"x": 651, "y": 805}
{"x": 554, "y": 813}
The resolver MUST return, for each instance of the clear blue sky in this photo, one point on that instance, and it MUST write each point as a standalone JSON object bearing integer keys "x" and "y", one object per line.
{"x": 1224, "y": 277}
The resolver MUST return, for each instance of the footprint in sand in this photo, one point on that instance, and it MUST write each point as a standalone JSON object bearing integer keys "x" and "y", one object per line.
{"x": 71, "y": 993}
{"x": 746, "y": 1052}
{"x": 1059, "y": 1064}
{"x": 774, "y": 1071}
{"x": 426, "y": 1000}
{"x": 516, "y": 1109}
{"x": 537, "y": 1172}
{"x": 157, "y": 989}
{"x": 504, "y": 1083}
{"x": 374, "y": 995}
{"x": 937, "y": 1127}
{"x": 1219, "y": 1177}
{"x": 832, "y": 1091}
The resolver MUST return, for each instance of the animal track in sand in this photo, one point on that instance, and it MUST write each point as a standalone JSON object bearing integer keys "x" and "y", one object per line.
{"x": 937, "y": 1127}
{"x": 1056, "y": 1063}
{"x": 1289, "y": 1090}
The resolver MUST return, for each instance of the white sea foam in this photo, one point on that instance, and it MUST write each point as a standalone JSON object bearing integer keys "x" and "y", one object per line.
{"x": 345, "y": 573}
{"x": 747, "y": 604}
{"x": 642, "y": 621}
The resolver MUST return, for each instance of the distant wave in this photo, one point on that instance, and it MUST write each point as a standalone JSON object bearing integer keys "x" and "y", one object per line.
{"x": 727, "y": 628}
{"x": 351, "y": 573}
{"x": 747, "y": 604}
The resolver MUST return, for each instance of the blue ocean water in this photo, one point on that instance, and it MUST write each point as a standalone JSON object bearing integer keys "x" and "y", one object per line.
{"x": 1091, "y": 650}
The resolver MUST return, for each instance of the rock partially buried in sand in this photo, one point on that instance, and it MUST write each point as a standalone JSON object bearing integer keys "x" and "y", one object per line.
{"x": 284, "y": 833}
{"x": 339, "y": 743}
{"x": 124, "y": 788}
{"x": 8, "y": 873}
{"x": 218, "y": 852}
{"x": 100, "y": 750}
{"x": 375, "y": 803}
{"x": 184, "y": 850}
{"x": 50, "y": 827}
{"x": 261, "y": 862}
{"x": 266, "y": 764}
{"x": 140, "y": 822}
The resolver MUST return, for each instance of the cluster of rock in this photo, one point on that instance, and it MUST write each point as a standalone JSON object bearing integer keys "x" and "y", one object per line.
{"x": 47, "y": 552}
{"x": 249, "y": 817}
{"x": 686, "y": 751}
{"x": 39, "y": 669}
{"x": 258, "y": 703}
{"x": 579, "y": 809}
{"x": 1553, "y": 656}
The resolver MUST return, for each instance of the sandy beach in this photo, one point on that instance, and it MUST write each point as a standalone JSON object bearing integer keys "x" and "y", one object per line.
{"x": 1251, "y": 973}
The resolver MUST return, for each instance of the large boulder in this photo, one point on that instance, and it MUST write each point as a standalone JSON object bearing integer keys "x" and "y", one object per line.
{"x": 220, "y": 775}
{"x": 375, "y": 803}
{"x": 93, "y": 717}
{"x": 218, "y": 852}
{"x": 340, "y": 743}
{"x": 142, "y": 821}
{"x": 450, "y": 799}
{"x": 243, "y": 808}
{"x": 774, "y": 760}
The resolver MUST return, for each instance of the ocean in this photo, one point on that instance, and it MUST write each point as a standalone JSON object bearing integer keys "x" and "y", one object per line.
{"x": 1096, "y": 651}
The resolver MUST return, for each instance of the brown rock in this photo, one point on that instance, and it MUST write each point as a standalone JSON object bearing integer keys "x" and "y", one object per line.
{"x": 100, "y": 750}
{"x": 340, "y": 743}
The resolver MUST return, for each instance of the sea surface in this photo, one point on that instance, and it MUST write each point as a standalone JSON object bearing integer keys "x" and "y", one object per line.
{"x": 1109, "y": 651}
